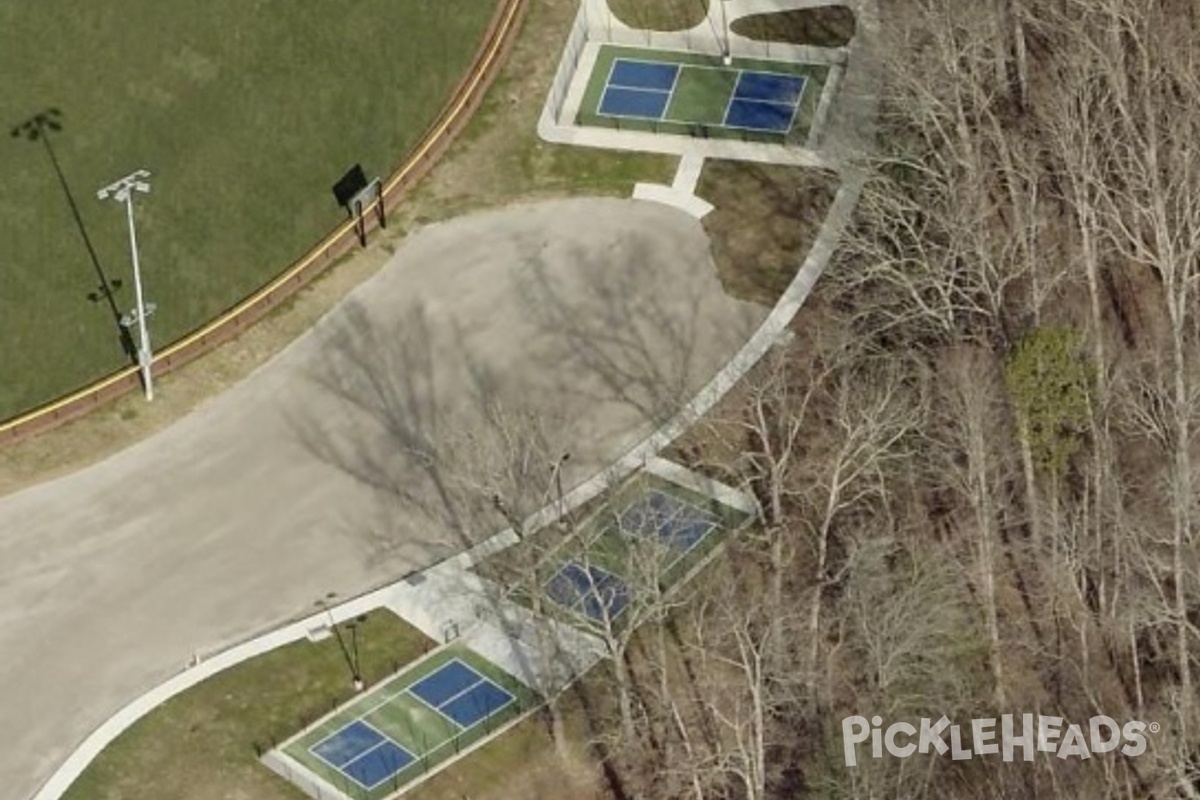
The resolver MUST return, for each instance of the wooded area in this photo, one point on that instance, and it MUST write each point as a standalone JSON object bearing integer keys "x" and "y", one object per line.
{"x": 976, "y": 462}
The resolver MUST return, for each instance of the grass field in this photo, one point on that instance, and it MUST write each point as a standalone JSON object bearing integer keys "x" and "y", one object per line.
{"x": 245, "y": 113}
{"x": 499, "y": 159}
{"x": 659, "y": 15}
{"x": 200, "y": 744}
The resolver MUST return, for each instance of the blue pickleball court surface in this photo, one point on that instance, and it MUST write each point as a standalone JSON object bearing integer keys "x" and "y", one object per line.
{"x": 644, "y": 75}
{"x": 347, "y": 744}
{"x": 622, "y": 102}
{"x": 407, "y": 726}
{"x": 769, "y": 87}
{"x": 376, "y": 766}
{"x": 461, "y": 693}
{"x": 756, "y": 116}
{"x": 362, "y": 754}
{"x": 638, "y": 89}
{"x": 677, "y": 524}
{"x": 759, "y": 101}
{"x": 764, "y": 101}
{"x": 590, "y": 590}
{"x": 476, "y": 704}
{"x": 452, "y": 679}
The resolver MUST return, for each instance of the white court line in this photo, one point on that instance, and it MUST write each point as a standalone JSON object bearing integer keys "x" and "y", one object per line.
{"x": 719, "y": 67}
{"x": 774, "y": 131}
{"x": 671, "y": 94}
{"x": 679, "y": 67}
{"x": 412, "y": 758}
{"x": 659, "y": 118}
{"x": 608, "y": 84}
{"x": 481, "y": 681}
{"x": 591, "y": 590}
{"x": 437, "y": 709}
{"x": 704, "y": 517}
{"x": 336, "y": 733}
{"x": 341, "y": 770}
{"x": 613, "y": 67}
{"x": 732, "y": 94}
{"x": 796, "y": 108}
{"x": 454, "y": 697}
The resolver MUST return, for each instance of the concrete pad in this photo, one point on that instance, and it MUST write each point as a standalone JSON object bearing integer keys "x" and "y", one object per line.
{"x": 317, "y": 473}
{"x": 669, "y": 195}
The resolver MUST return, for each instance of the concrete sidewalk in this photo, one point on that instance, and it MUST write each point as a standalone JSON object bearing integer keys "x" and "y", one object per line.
{"x": 109, "y": 578}
{"x": 242, "y": 514}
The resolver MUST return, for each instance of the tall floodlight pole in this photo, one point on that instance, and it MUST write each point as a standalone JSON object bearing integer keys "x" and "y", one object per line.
{"x": 122, "y": 191}
{"x": 727, "y": 50}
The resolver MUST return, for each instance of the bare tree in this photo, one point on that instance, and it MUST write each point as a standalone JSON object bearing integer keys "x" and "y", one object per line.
{"x": 972, "y": 463}
{"x": 1152, "y": 216}
{"x": 875, "y": 411}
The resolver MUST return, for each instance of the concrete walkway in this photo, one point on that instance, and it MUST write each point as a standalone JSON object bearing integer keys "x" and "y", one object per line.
{"x": 108, "y": 577}
{"x": 595, "y": 26}
{"x": 295, "y": 483}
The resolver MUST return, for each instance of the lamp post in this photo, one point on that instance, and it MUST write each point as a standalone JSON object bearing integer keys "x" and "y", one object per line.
{"x": 556, "y": 474}
{"x": 350, "y": 654}
{"x": 726, "y": 50}
{"x": 122, "y": 191}
{"x": 358, "y": 679}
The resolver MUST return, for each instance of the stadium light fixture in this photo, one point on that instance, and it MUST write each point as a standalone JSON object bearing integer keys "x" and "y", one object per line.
{"x": 122, "y": 191}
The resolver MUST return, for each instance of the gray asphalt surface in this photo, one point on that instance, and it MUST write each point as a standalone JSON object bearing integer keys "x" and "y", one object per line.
{"x": 546, "y": 328}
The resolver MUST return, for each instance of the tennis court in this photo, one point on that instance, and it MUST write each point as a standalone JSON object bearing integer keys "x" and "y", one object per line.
{"x": 675, "y": 522}
{"x": 754, "y": 101}
{"x": 599, "y": 583}
{"x": 694, "y": 94}
{"x": 589, "y": 590}
{"x": 396, "y": 732}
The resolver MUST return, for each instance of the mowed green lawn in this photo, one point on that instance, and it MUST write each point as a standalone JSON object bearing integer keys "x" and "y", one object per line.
{"x": 200, "y": 745}
{"x": 245, "y": 111}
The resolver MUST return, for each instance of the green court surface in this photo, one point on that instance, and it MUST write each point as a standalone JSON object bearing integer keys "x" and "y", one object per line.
{"x": 624, "y": 543}
{"x": 645, "y": 540}
{"x": 701, "y": 96}
{"x": 698, "y": 95}
{"x": 401, "y": 729}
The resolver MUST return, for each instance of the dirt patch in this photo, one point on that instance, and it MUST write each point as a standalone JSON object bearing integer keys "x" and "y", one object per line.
{"x": 766, "y": 219}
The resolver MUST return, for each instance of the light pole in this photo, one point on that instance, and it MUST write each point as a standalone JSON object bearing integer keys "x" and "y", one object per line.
{"x": 351, "y": 658}
{"x": 122, "y": 191}
{"x": 556, "y": 474}
{"x": 726, "y": 50}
